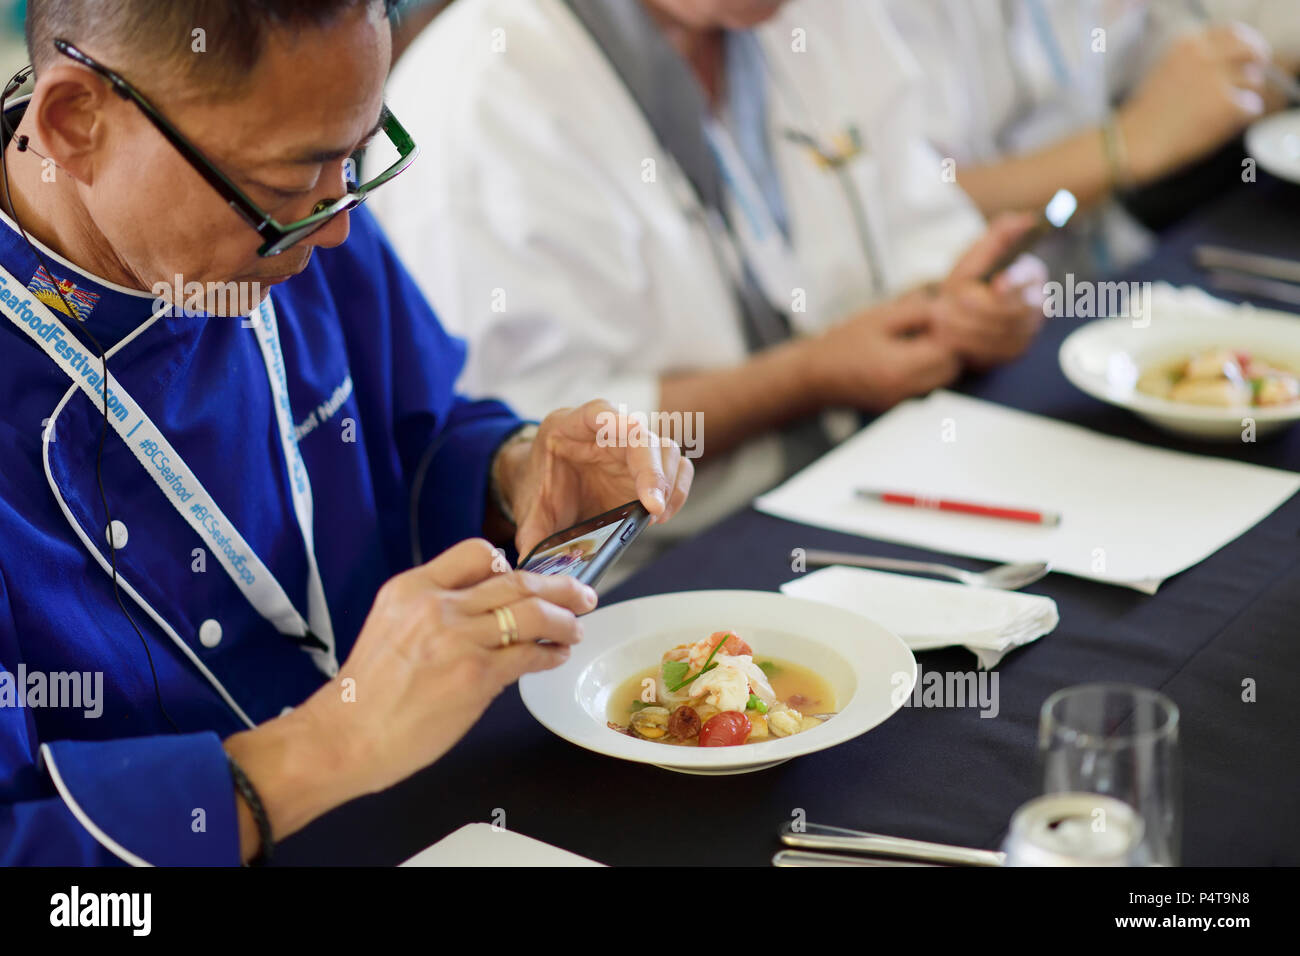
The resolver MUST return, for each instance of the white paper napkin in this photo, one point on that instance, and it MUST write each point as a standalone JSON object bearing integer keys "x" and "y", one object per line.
{"x": 482, "y": 844}
{"x": 927, "y": 614}
{"x": 1131, "y": 514}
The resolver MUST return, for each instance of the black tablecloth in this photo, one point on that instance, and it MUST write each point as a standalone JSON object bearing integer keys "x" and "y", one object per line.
{"x": 937, "y": 774}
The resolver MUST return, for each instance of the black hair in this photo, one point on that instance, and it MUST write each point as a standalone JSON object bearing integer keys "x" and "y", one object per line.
{"x": 214, "y": 43}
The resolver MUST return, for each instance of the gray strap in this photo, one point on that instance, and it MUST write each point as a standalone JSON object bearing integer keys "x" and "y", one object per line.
{"x": 675, "y": 107}
{"x": 662, "y": 84}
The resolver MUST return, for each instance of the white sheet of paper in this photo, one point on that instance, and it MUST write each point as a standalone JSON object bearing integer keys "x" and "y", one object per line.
{"x": 481, "y": 844}
{"x": 1131, "y": 514}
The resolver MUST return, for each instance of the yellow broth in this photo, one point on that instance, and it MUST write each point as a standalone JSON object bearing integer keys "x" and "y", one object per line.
{"x": 789, "y": 681}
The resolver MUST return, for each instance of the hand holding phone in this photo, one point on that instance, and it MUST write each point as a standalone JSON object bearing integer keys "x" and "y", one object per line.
{"x": 1060, "y": 208}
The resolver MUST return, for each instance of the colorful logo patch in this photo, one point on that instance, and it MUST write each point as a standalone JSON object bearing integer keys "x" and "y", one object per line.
{"x": 53, "y": 292}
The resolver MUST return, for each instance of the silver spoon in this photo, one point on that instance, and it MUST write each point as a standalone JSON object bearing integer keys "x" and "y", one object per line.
{"x": 1005, "y": 577}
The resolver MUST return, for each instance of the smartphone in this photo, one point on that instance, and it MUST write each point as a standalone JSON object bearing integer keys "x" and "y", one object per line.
{"x": 588, "y": 549}
{"x": 1060, "y": 209}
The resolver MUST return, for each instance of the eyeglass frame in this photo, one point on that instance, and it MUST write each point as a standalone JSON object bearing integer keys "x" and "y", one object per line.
{"x": 279, "y": 236}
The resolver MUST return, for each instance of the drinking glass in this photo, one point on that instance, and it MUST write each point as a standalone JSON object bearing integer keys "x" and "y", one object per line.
{"x": 1119, "y": 740}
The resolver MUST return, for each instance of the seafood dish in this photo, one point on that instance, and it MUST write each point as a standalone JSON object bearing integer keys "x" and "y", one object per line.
{"x": 714, "y": 693}
{"x": 1222, "y": 377}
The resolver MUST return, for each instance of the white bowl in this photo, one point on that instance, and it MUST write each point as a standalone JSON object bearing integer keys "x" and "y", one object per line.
{"x": 1104, "y": 358}
{"x": 1274, "y": 142}
{"x": 870, "y": 669}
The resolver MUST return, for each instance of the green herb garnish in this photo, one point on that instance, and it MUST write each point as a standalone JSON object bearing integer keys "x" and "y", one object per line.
{"x": 686, "y": 680}
{"x": 639, "y": 704}
{"x": 769, "y": 668}
{"x": 674, "y": 671}
{"x": 756, "y": 704}
{"x": 690, "y": 678}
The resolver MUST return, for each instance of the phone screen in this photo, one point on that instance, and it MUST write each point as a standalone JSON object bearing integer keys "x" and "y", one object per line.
{"x": 586, "y": 550}
{"x": 571, "y": 557}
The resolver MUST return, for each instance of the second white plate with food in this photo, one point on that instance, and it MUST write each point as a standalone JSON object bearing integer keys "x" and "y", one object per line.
{"x": 845, "y": 674}
{"x": 1194, "y": 365}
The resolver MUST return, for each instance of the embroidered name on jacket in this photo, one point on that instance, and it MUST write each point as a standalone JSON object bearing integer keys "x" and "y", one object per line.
{"x": 325, "y": 410}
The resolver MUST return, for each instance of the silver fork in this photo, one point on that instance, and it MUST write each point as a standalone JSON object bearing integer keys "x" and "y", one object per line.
{"x": 1005, "y": 577}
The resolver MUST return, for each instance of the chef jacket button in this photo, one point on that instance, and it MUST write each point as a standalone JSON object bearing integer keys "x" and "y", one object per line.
{"x": 115, "y": 534}
{"x": 209, "y": 633}
{"x": 286, "y": 711}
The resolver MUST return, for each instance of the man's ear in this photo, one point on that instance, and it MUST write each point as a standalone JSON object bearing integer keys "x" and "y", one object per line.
{"x": 67, "y": 118}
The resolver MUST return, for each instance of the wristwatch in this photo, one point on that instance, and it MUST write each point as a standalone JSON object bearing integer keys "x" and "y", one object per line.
{"x": 524, "y": 433}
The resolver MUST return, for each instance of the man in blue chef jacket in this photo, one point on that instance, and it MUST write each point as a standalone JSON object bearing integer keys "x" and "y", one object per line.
{"x": 210, "y": 630}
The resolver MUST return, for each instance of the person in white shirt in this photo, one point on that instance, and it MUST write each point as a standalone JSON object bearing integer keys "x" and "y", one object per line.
{"x": 563, "y": 220}
{"x": 1020, "y": 95}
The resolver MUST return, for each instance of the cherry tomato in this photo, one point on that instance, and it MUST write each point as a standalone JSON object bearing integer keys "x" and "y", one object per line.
{"x": 726, "y": 729}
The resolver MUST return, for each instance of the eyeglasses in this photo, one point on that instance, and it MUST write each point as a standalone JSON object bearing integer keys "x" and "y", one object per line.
{"x": 278, "y": 236}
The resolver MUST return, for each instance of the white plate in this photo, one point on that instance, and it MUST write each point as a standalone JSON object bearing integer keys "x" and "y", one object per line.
{"x": 1104, "y": 358}
{"x": 1274, "y": 142}
{"x": 869, "y": 668}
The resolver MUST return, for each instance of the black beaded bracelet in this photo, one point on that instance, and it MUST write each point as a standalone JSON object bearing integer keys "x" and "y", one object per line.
{"x": 245, "y": 787}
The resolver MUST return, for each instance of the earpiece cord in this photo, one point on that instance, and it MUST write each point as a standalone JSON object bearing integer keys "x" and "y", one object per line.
{"x": 14, "y": 84}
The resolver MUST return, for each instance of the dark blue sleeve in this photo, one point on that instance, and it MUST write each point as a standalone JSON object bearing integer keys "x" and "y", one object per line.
{"x": 166, "y": 800}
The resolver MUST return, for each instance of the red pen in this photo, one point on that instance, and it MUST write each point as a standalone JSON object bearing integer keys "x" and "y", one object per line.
{"x": 963, "y": 507}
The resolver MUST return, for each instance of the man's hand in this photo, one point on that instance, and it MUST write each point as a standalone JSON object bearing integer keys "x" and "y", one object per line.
{"x": 428, "y": 661}
{"x": 587, "y": 460}
{"x": 986, "y": 323}
{"x": 1208, "y": 87}
{"x": 430, "y": 658}
{"x": 878, "y": 357}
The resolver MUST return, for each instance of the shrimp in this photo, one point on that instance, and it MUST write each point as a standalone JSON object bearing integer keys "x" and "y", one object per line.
{"x": 735, "y": 654}
{"x": 725, "y": 687}
{"x": 701, "y": 650}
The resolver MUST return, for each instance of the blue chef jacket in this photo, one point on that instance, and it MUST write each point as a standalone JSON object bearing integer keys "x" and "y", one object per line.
{"x": 370, "y": 377}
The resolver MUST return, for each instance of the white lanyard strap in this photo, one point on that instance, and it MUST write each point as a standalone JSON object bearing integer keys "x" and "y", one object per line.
{"x": 170, "y": 473}
{"x": 767, "y": 250}
{"x": 264, "y": 323}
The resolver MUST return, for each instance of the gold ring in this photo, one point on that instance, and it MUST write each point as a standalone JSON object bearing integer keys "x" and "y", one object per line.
{"x": 507, "y": 624}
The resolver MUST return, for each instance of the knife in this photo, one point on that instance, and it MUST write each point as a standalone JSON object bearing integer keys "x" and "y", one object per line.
{"x": 1274, "y": 289}
{"x": 1268, "y": 267}
{"x": 817, "y": 836}
{"x": 806, "y": 858}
